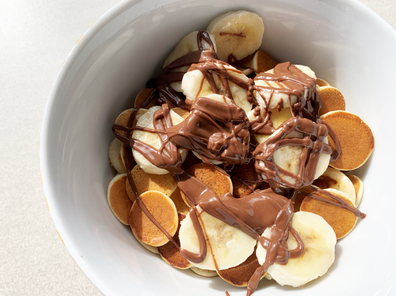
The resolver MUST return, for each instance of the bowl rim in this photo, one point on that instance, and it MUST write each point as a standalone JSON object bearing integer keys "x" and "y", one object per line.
{"x": 79, "y": 46}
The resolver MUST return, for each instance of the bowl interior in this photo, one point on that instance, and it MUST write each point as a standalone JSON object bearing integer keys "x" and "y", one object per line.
{"x": 342, "y": 41}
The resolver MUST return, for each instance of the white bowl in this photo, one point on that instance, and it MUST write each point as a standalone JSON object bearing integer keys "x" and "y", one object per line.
{"x": 343, "y": 41}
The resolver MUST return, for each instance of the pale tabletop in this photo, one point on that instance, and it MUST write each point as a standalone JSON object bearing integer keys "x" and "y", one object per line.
{"x": 35, "y": 38}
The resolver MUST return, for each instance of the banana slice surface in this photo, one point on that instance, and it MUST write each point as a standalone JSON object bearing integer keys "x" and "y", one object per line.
{"x": 152, "y": 139}
{"x": 319, "y": 247}
{"x": 227, "y": 246}
{"x": 237, "y": 33}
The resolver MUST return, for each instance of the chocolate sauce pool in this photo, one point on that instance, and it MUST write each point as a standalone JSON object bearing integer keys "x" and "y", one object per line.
{"x": 221, "y": 131}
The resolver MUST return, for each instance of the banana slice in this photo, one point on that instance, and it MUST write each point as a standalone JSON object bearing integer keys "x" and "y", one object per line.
{"x": 288, "y": 158}
{"x": 237, "y": 33}
{"x": 270, "y": 99}
{"x": 333, "y": 178}
{"x": 195, "y": 84}
{"x": 152, "y": 139}
{"x": 227, "y": 246}
{"x": 115, "y": 156}
{"x": 358, "y": 184}
{"x": 319, "y": 245}
{"x": 294, "y": 155}
{"x": 277, "y": 117}
{"x": 187, "y": 45}
{"x": 204, "y": 272}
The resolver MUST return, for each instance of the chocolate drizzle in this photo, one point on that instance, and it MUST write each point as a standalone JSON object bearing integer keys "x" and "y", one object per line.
{"x": 293, "y": 82}
{"x": 311, "y": 141}
{"x": 216, "y": 130}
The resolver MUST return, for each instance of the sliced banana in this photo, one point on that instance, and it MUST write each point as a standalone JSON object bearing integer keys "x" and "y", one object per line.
{"x": 221, "y": 99}
{"x": 152, "y": 139}
{"x": 319, "y": 245}
{"x": 237, "y": 33}
{"x": 227, "y": 246}
{"x": 203, "y": 272}
{"x": 288, "y": 158}
{"x": 333, "y": 178}
{"x": 271, "y": 99}
{"x": 115, "y": 156}
{"x": 277, "y": 118}
{"x": 358, "y": 184}
{"x": 194, "y": 85}
{"x": 187, "y": 45}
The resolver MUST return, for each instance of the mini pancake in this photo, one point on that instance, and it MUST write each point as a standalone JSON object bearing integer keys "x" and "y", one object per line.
{"x": 250, "y": 178}
{"x": 115, "y": 156}
{"x": 241, "y": 274}
{"x": 208, "y": 174}
{"x": 151, "y": 249}
{"x": 332, "y": 99}
{"x": 118, "y": 199}
{"x": 163, "y": 210}
{"x": 244, "y": 65}
{"x": 358, "y": 184}
{"x": 335, "y": 179}
{"x": 321, "y": 82}
{"x": 142, "y": 96}
{"x": 355, "y": 136}
{"x": 171, "y": 255}
{"x": 341, "y": 220}
{"x": 263, "y": 62}
{"x": 246, "y": 172}
{"x": 123, "y": 118}
{"x": 240, "y": 189}
{"x": 146, "y": 182}
{"x": 203, "y": 272}
{"x": 181, "y": 206}
{"x": 182, "y": 112}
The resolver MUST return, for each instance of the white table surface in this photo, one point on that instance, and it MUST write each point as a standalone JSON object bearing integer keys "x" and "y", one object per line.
{"x": 35, "y": 38}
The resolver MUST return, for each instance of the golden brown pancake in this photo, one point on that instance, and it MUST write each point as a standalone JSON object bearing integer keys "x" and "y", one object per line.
{"x": 341, "y": 220}
{"x": 118, "y": 199}
{"x": 240, "y": 189}
{"x": 321, "y": 82}
{"x": 263, "y": 62}
{"x": 163, "y": 210}
{"x": 153, "y": 250}
{"x": 145, "y": 182}
{"x": 241, "y": 274}
{"x": 142, "y": 96}
{"x": 355, "y": 136}
{"x": 181, "y": 206}
{"x": 332, "y": 99}
{"x": 123, "y": 118}
{"x": 250, "y": 178}
{"x": 209, "y": 175}
{"x": 171, "y": 255}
